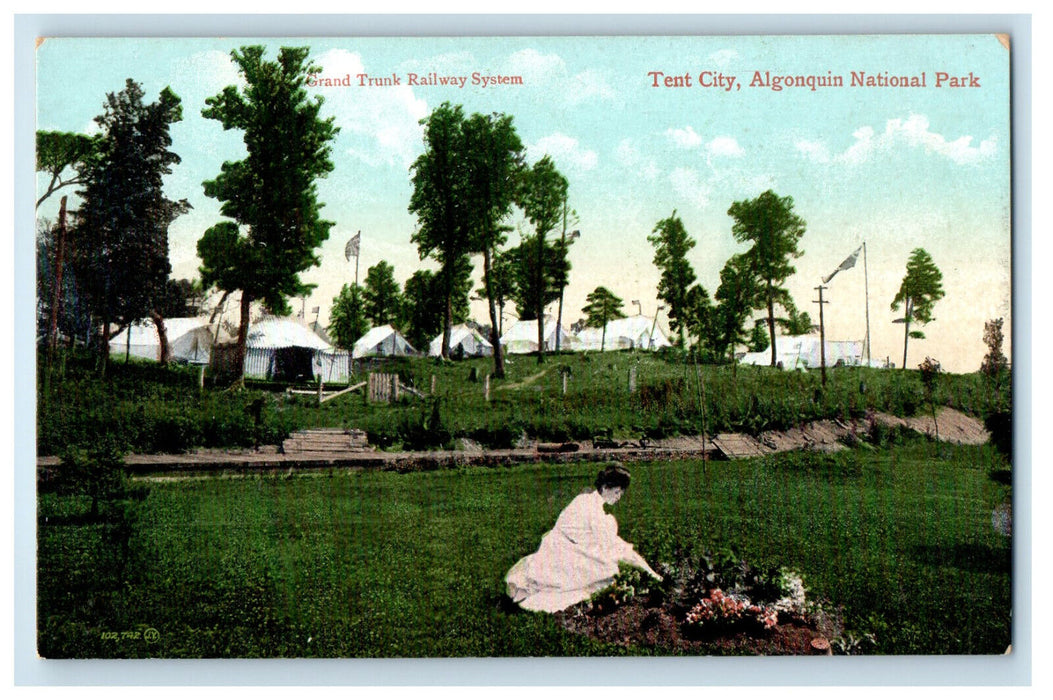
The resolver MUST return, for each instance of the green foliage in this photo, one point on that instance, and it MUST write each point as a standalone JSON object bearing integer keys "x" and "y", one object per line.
{"x": 921, "y": 288}
{"x": 995, "y": 364}
{"x": 734, "y": 300}
{"x": 382, "y": 300}
{"x": 347, "y": 317}
{"x": 120, "y": 242}
{"x": 270, "y": 195}
{"x": 671, "y": 245}
{"x": 96, "y": 472}
{"x": 770, "y": 224}
{"x": 758, "y": 339}
{"x": 152, "y": 409}
{"x": 59, "y": 152}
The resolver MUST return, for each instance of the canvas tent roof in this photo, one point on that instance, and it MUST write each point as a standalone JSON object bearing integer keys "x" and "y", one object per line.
{"x": 471, "y": 342}
{"x": 283, "y": 333}
{"x": 803, "y": 352}
{"x": 382, "y": 341}
{"x": 521, "y": 337}
{"x": 625, "y": 333}
{"x": 189, "y": 339}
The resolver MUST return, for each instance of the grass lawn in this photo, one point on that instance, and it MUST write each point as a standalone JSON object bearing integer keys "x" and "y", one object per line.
{"x": 373, "y": 564}
{"x": 154, "y": 409}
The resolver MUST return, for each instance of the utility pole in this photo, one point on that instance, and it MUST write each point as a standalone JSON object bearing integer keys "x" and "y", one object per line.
{"x": 866, "y": 289}
{"x": 822, "y": 333}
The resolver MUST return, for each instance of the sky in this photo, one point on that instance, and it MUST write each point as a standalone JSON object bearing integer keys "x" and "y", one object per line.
{"x": 895, "y": 167}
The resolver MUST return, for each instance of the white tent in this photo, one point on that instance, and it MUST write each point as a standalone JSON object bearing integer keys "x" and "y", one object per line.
{"x": 382, "y": 341}
{"x": 803, "y": 352}
{"x": 470, "y": 342}
{"x": 633, "y": 332}
{"x": 281, "y": 348}
{"x": 189, "y": 340}
{"x": 521, "y": 337}
{"x": 273, "y": 332}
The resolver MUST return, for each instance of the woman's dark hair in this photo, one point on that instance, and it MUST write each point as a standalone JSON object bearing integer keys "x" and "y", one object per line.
{"x": 613, "y": 476}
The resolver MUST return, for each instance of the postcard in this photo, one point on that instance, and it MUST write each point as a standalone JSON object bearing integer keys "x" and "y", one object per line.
{"x": 434, "y": 347}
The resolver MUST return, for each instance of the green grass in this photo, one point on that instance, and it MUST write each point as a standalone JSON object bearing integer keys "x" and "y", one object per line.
{"x": 161, "y": 410}
{"x": 377, "y": 564}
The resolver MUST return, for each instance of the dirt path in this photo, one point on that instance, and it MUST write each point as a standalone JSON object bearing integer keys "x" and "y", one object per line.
{"x": 954, "y": 426}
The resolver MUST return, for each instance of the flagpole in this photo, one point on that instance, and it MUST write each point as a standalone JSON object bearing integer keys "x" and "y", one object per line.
{"x": 866, "y": 288}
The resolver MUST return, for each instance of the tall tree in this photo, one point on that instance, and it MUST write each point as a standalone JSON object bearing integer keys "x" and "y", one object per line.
{"x": 423, "y": 308}
{"x": 734, "y": 297}
{"x": 493, "y": 160}
{"x": 532, "y": 288}
{"x": 423, "y": 305}
{"x": 671, "y": 245}
{"x": 271, "y": 194}
{"x": 770, "y": 223}
{"x": 64, "y": 156}
{"x": 347, "y": 318}
{"x": 383, "y": 301}
{"x": 602, "y": 306}
{"x": 440, "y": 200}
{"x": 699, "y": 313}
{"x": 502, "y": 286}
{"x": 120, "y": 242}
{"x": 918, "y": 293}
{"x": 543, "y": 198}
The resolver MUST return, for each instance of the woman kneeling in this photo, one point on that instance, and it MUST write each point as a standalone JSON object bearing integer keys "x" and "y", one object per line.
{"x": 580, "y": 554}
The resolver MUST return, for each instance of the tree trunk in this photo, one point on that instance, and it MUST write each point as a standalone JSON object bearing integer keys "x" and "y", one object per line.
{"x": 495, "y": 337}
{"x": 56, "y": 292}
{"x": 243, "y": 338}
{"x": 906, "y": 330}
{"x": 162, "y": 337}
{"x": 541, "y": 299}
{"x": 771, "y": 327}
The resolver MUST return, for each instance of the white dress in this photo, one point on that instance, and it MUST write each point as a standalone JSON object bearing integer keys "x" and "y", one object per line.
{"x": 577, "y": 557}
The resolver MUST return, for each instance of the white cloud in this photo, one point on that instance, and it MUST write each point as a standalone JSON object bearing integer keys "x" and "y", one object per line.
{"x": 535, "y": 66}
{"x": 688, "y": 184}
{"x": 684, "y": 138}
{"x": 725, "y": 146}
{"x": 550, "y": 69}
{"x": 587, "y": 86}
{"x": 911, "y": 133}
{"x": 629, "y": 156}
{"x": 382, "y": 124}
{"x": 813, "y": 150}
{"x": 565, "y": 150}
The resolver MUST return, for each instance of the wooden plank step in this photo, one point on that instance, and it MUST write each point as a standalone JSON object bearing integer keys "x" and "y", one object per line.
{"x": 739, "y": 446}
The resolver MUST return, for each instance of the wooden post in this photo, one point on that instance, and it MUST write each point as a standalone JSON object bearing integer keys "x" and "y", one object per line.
{"x": 822, "y": 333}
{"x": 201, "y": 379}
{"x": 632, "y": 380}
{"x": 564, "y": 374}
{"x": 486, "y": 387}
{"x": 394, "y": 395}
{"x": 321, "y": 386}
{"x": 370, "y": 388}
{"x": 433, "y": 385}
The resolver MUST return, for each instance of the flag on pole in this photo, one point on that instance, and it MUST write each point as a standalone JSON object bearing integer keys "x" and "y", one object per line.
{"x": 352, "y": 246}
{"x": 316, "y": 309}
{"x": 849, "y": 263}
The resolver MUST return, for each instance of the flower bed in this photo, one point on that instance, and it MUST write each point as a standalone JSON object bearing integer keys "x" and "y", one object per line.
{"x": 715, "y": 604}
